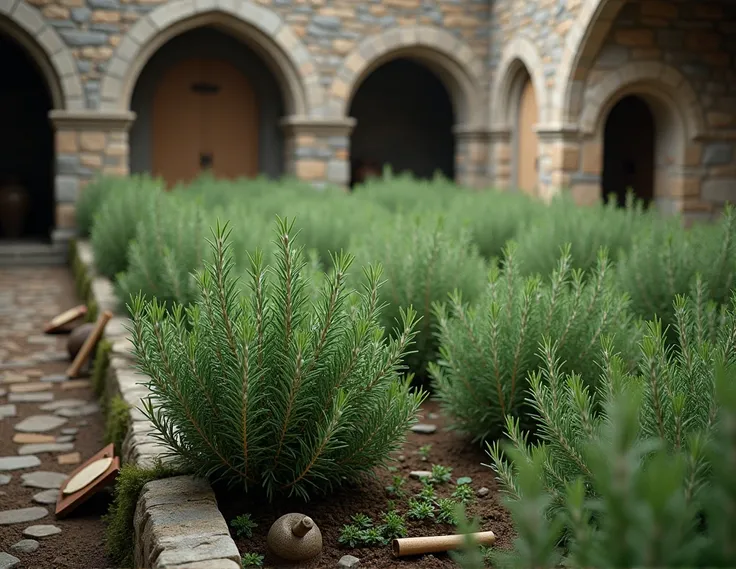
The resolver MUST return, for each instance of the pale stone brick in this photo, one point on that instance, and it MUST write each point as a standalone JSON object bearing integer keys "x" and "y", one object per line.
{"x": 92, "y": 141}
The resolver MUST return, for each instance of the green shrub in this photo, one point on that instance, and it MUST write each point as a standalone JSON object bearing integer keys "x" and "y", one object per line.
{"x": 169, "y": 245}
{"x": 489, "y": 349}
{"x": 678, "y": 400}
{"x": 403, "y": 193}
{"x": 494, "y": 217}
{"x": 119, "y": 519}
{"x": 269, "y": 390}
{"x": 664, "y": 262}
{"x": 116, "y": 222}
{"x": 116, "y": 422}
{"x": 586, "y": 229}
{"x": 99, "y": 366}
{"x": 92, "y": 197}
{"x": 641, "y": 515}
{"x": 423, "y": 263}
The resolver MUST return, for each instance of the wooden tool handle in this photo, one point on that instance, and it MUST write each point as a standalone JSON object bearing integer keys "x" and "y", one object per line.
{"x": 437, "y": 543}
{"x": 89, "y": 344}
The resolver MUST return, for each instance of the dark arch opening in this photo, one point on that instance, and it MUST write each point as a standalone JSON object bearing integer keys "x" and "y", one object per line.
{"x": 211, "y": 128}
{"x": 628, "y": 151}
{"x": 26, "y": 147}
{"x": 404, "y": 118}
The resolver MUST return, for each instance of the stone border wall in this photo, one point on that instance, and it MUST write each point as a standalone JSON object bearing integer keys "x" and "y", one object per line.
{"x": 177, "y": 523}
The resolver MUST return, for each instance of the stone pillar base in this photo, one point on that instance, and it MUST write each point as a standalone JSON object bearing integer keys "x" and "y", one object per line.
{"x": 471, "y": 156}
{"x": 318, "y": 150}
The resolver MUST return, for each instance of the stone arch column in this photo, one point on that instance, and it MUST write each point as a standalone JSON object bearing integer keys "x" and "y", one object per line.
{"x": 520, "y": 58}
{"x": 24, "y": 24}
{"x": 679, "y": 126}
{"x": 451, "y": 60}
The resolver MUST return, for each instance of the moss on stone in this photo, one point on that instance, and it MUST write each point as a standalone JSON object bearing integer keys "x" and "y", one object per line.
{"x": 116, "y": 422}
{"x": 119, "y": 541}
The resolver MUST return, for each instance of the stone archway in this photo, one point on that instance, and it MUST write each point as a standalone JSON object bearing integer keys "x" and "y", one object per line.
{"x": 678, "y": 124}
{"x": 46, "y": 78}
{"x": 519, "y": 85}
{"x": 26, "y": 26}
{"x": 451, "y": 61}
{"x": 261, "y": 29}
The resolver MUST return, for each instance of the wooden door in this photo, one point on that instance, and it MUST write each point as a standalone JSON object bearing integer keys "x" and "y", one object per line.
{"x": 526, "y": 153}
{"x": 205, "y": 116}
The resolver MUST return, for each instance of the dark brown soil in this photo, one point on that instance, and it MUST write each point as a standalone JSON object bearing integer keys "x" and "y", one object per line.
{"x": 80, "y": 545}
{"x": 370, "y": 497}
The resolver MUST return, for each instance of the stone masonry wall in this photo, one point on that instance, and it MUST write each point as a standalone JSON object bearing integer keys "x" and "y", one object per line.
{"x": 329, "y": 29}
{"x": 698, "y": 39}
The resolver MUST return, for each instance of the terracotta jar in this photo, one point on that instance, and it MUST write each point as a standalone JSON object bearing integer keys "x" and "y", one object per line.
{"x": 13, "y": 208}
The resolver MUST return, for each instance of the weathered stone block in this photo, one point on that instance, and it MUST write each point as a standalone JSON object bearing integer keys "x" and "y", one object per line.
{"x": 80, "y": 38}
{"x": 720, "y": 191}
{"x": 66, "y": 188}
{"x": 718, "y": 153}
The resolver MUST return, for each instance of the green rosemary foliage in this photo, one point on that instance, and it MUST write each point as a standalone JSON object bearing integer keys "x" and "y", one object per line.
{"x": 420, "y": 509}
{"x": 423, "y": 263}
{"x": 440, "y": 474}
{"x": 252, "y": 560}
{"x": 92, "y": 197}
{"x": 169, "y": 246}
{"x": 243, "y": 525}
{"x": 268, "y": 390}
{"x": 641, "y": 515}
{"x": 446, "y": 511}
{"x": 678, "y": 404}
{"x": 665, "y": 261}
{"x": 394, "y": 525}
{"x": 116, "y": 221}
{"x": 488, "y": 350}
{"x": 396, "y": 488}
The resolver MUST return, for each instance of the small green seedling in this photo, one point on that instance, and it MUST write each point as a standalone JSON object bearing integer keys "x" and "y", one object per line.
{"x": 394, "y": 525}
{"x": 424, "y": 451}
{"x": 420, "y": 509}
{"x": 372, "y": 537}
{"x": 252, "y": 560}
{"x": 440, "y": 474}
{"x": 464, "y": 493}
{"x": 396, "y": 488}
{"x": 362, "y": 521}
{"x": 447, "y": 514}
{"x": 350, "y": 536}
{"x": 427, "y": 492}
{"x": 243, "y": 525}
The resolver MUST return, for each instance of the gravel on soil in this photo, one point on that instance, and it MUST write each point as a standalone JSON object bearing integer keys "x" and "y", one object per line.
{"x": 370, "y": 497}
{"x": 31, "y": 296}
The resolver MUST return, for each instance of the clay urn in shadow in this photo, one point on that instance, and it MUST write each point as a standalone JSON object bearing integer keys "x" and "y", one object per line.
{"x": 77, "y": 338}
{"x": 13, "y": 207}
{"x": 295, "y": 537}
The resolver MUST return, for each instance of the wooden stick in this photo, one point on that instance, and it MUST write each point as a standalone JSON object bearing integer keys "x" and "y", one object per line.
{"x": 64, "y": 318}
{"x": 89, "y": 345}
{"x": 438, "y": 543}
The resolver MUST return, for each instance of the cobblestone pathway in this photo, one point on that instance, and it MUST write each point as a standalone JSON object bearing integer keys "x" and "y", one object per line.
{"x": 47, "y": 426}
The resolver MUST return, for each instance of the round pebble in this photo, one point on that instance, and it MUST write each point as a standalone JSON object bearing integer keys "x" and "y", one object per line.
{"x": 25, "y": 546}
{"x": 41, "y": 531}
{"x": 483, "y": 492}
{"x": 348, "y": 562}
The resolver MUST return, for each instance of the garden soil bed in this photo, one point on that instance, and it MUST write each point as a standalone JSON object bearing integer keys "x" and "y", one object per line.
{"x": 370, "y": 497}
{"x": 28, "y": 298}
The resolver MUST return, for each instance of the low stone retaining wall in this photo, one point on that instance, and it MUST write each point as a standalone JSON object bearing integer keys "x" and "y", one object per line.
{"x": 177, "y": 523}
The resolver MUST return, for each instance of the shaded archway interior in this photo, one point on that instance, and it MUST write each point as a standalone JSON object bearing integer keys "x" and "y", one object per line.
{"x": 222, "y": 106}
{"x": 26, "y": 144}
{"x": 404, "y": 118}
{"x": 629, "y": 151}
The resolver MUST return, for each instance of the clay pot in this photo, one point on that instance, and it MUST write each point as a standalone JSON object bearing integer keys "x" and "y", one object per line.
{"x": 13, "y": 209}
{"x": 295, "y": 537}
{"x": 77, "y": 338}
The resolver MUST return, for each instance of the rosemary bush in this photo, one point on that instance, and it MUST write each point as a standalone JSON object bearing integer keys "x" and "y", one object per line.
{"x": 268, "y": 390}
{"x": 641, "y": 514}
{"x": 664, "y": 261}
{"x": 487, "y": 350}
{"x": 423, "y": 263}
{"x": 585, "y": 229}
{"x": 169, "y": 245}
{"x": 678, "y": 404}
{"x": 91, "y": 199}
{"x": 116, "y": 222}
